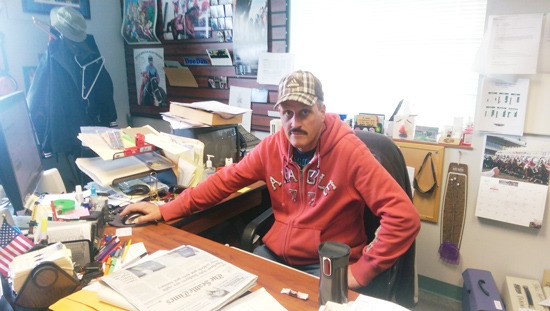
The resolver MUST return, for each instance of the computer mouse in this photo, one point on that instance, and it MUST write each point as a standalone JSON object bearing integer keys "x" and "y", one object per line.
{"x": 130, "y": 218}
{"x": 137, "y": 189}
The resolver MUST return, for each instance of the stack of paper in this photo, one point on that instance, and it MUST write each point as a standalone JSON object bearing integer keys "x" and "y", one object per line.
{"x": 106, "y": 172}
{"x": 22, "y": 265}
{"x": 208, "y": 112}
{"x": 110, "y": 143}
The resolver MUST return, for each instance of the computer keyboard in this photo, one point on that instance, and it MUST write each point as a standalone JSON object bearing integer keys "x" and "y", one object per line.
{"x": 248, "y": 140}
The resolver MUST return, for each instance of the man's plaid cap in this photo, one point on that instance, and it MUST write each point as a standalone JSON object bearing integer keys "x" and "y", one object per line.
{"x": 301, "y": 86}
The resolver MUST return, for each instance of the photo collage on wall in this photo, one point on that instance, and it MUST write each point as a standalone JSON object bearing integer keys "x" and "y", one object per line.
{"x": 186, "y": 19}
{"x": 221, "y": 19}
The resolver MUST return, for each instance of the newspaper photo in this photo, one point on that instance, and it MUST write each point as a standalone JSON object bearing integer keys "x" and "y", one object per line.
{"x": 185, "y": 278}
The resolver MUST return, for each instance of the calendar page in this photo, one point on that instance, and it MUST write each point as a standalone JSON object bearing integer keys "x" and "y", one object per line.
{"x": 514, "y": 180}
{"x": 514, "y": 202}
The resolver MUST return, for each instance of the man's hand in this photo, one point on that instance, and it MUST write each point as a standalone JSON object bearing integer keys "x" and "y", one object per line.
{"x": 151, "y": 211}
{"x": 352, "y": 282}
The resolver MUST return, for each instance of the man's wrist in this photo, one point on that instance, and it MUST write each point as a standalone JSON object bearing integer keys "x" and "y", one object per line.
{"x": 158, "y": 204}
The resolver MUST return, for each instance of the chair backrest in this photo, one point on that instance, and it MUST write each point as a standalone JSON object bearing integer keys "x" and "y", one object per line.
{"x": 399, "y": 282}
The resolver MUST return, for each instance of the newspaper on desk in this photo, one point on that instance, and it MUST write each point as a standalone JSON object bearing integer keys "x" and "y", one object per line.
{"x": 186, "y": 278}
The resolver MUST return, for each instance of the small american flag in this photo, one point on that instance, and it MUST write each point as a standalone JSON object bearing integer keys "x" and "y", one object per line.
{"x": 12, "y": 243}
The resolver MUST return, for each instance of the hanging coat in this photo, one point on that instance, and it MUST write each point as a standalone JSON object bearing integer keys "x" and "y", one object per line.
{"x": 71, "y": 88}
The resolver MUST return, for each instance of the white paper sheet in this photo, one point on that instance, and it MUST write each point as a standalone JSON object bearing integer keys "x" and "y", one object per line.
{"x": 259, "y": 300}
{"x": 513, "y": 43}
{"x": 186, "y": 173}
{"x": 272, "y": 67}
{"x": 165, "y": 142}
{"x": 544, "y": 55}
{"x": 364, "y": 303}
{"x": 180, "y": 123}
{"x": 215, "y": 107}
{"x": 241, "y": 97}
{"x": 503, "y": 106}
{"x": 518, "y": 203}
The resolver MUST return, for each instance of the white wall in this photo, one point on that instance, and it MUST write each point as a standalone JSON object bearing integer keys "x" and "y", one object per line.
{"x": 503, "y": 249}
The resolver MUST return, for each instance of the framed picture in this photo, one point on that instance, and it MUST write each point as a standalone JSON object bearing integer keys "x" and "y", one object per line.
{"x": 44, "y": 6}
{"x": 426, "y": 133}
{"x": 369, "y": 122}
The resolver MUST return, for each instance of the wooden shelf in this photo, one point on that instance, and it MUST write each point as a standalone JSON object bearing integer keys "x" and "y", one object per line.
{"x": 434, "y": 144}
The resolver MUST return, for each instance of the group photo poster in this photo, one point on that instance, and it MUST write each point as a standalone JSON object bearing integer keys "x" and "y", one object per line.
{"x": 514, "y": 180}
{"x": 139, "y": 22}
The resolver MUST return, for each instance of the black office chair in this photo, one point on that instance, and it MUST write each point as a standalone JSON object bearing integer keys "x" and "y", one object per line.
{"x": 399, "y": 282}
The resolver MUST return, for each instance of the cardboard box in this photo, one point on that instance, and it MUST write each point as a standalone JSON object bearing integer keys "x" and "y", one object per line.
{"x": 523, "y": 294}
{"x": 480, "y": 291}
{"x": 203, "y": 116}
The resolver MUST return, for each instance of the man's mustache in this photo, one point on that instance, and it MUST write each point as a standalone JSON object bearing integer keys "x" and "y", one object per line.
{"x": 292, "y": 131}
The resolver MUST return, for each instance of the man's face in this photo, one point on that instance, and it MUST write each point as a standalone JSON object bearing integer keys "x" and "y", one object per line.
{"x": 302, "y": 124}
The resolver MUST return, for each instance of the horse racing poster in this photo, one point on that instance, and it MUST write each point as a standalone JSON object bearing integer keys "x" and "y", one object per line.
{"x": 150, "y": 78}
{"x": 514, "y": 180}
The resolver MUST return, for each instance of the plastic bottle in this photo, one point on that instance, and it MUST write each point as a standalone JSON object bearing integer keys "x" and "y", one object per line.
{"x": 228, "y": 161}
{"x": 209, "y": 170}
{"x": 79, "y": 197}
{"x": 467, "y": 135}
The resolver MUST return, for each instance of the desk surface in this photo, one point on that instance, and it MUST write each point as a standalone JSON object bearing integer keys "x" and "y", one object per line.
{"x": 255, "y": 196}
{"x": 272, "y": 276}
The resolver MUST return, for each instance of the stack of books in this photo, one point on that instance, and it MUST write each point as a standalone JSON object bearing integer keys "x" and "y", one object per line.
{"x": 22, "y": 265}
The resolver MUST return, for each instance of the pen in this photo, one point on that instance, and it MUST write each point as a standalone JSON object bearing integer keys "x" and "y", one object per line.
{"x": 125, "y": 251}
{"x": 108, "y": 249}
{"x": 113, "y": 263}
{"x": 134, "y": 260}
{"x": 115, "y": 253}
{"x": 102, "y": 249}
{"x": 112, "y": 251}
{"x": 107, "y": 266}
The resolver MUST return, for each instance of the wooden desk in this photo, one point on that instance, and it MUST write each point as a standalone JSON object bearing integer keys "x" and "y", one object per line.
{"x": 272, "y": 276}
{"x": 257, "y": 197}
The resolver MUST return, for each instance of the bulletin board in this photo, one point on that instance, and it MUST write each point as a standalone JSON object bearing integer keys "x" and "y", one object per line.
{"x": 427, "y": 204}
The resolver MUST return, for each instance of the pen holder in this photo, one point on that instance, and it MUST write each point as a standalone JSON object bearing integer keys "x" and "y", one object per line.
{"x": 46, "y": 284}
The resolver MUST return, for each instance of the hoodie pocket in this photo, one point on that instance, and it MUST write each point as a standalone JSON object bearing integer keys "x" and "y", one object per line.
{"x": 296, "y": 245}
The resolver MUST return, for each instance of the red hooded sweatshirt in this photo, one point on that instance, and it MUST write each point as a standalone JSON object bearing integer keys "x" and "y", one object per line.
{"x": 323, "y": 202}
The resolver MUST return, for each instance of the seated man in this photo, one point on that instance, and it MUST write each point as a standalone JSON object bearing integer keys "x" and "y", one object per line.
{"x": 320, "y": 176}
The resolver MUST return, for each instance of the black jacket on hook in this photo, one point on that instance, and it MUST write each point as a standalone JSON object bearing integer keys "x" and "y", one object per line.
{"x": 71, "y": 88}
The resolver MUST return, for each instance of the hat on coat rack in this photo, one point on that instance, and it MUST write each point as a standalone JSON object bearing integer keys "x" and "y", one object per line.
{"x": 69, "y": 22}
